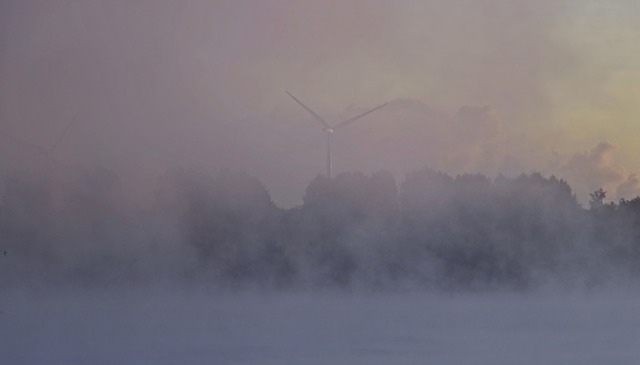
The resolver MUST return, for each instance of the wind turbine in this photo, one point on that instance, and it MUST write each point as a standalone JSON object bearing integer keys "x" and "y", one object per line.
{"x": 328, "y": 129}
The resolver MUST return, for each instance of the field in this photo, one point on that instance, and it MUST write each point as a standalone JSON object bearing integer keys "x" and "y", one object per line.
{"x": 159, "y": 327}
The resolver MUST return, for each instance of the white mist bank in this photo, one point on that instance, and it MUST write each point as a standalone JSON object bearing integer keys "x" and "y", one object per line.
{"x": 159, "y": 328}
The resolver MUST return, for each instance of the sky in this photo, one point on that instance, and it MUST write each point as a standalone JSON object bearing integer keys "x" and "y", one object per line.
{"x": 492, "y": 86}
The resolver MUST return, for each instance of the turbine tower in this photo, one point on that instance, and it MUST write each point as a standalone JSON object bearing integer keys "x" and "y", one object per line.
{"x": 328, "y": 129}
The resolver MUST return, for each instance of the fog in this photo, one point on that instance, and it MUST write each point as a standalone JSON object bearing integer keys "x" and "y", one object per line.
{"x": 143, "y": 328}
{"x": 439, "y": 268}
{"x": 431, "y": 231}
{"x": 162, "y": 199}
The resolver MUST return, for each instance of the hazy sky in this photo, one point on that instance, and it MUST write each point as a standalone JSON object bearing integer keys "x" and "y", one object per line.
{"x": 475, "y": 86}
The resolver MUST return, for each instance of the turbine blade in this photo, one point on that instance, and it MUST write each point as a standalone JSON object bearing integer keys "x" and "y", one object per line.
{"x": 28, "y": 144}
{"x": 351, "y": 120}
{"x": 60, "y": 137}
{"x": 319, "y": 118}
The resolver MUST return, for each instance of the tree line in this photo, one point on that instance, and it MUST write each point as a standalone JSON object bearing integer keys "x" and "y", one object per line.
{"x": 432, "y": 231}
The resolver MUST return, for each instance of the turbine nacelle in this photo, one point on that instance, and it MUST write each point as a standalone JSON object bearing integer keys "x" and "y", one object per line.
{"x": 328, "y": 130}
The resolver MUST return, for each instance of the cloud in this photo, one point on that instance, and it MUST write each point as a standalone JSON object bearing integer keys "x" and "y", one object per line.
{"x": 410, "y": 134}
{"x": 587, "y": 172}
{"x": 629, "y": 188}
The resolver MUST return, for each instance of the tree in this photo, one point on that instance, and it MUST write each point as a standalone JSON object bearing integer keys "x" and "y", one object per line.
{"x": 596, "y": 199}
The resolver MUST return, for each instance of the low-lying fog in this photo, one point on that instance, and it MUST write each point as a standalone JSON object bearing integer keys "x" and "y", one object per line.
{"x": 438, "y": 270}
{"x": 158, "y": 327}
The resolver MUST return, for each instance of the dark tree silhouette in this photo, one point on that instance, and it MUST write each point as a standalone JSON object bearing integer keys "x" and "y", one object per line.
{"x": 355, "y": 230}
{"x": 596, "y": 199}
